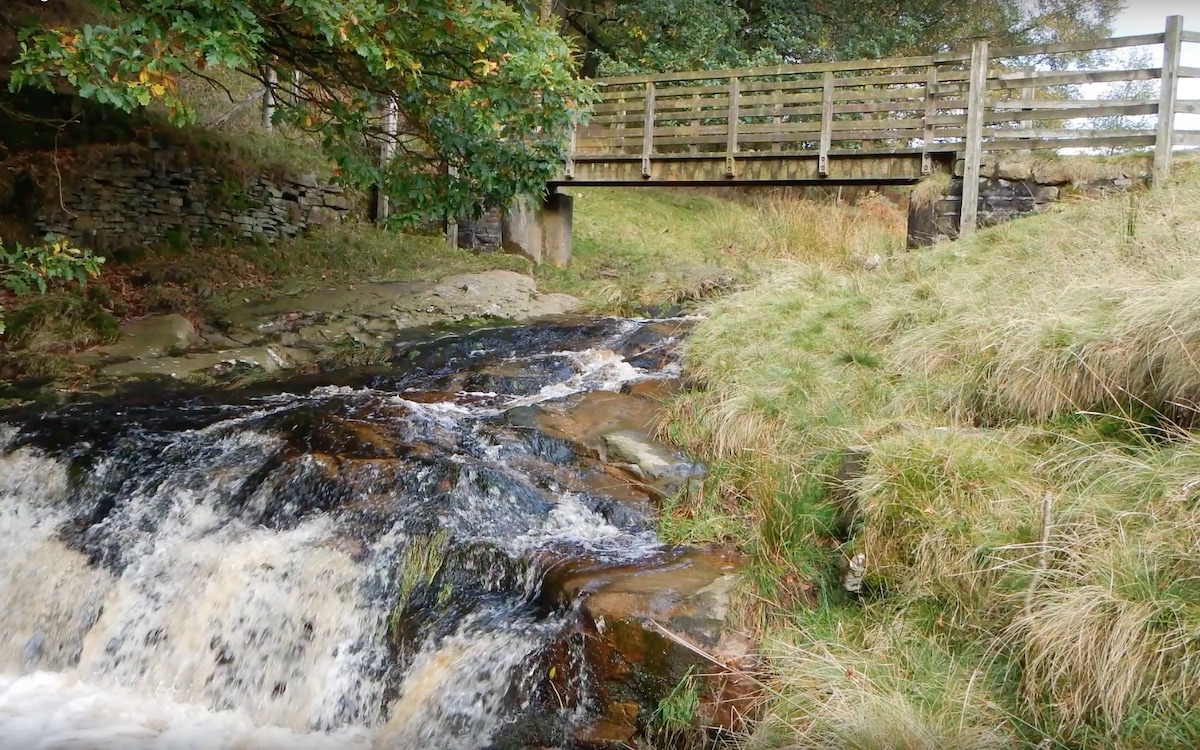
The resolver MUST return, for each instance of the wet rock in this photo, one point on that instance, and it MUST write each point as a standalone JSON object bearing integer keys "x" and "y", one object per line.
{"x": 156, "y": 336}
{"x": 266, "y": 359}
{"x": 588, "y": 418}
{"x": 659, "y": 390}
{"x": 666, "y": 469}
{"x": 648, "y": 627}
{"x": 519, "y": 378}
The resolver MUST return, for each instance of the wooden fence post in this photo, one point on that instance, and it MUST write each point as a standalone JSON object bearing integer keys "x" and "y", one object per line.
{"x": 731, "y": 142}
{"x": 973, "y": 154}
{"x": 1164, "y": 138}
{"x": 694, "y": 148}
{"x": 931, "y": 82}
{"x": 569, "y": 168}
{"x": 648, "y": 130}
{"x": 826, "y": 125}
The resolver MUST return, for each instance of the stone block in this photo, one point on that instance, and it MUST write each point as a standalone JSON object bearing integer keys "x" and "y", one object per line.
{"x": 1046, "y": 193}
{"x": 322, "y": 216}
{"x": 1014, "y": 170}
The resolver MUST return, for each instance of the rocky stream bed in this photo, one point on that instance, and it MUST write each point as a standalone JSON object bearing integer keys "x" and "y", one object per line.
{"x": 451, "y": 548}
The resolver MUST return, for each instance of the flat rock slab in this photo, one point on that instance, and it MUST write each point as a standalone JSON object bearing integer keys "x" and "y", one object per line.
{"x": 689, "y": 595}
{"x": 647, "y": 626}
{"x": 368, "y": 313}
{"x": 266, "y": 359}
{"x": 662, "y": 468}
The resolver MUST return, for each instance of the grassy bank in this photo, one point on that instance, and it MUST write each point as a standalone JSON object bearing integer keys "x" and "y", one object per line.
{"x": 996, "y": 433}
{"x": 634, "y": 251}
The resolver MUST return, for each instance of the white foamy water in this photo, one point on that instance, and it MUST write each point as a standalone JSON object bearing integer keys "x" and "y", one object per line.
{"x": 217, "y": 633}
{"x": 213, "y": 606}
{"x": 570, "y": 523}
{"x": 596, "y": 370}
{"x": 209, "y": 611}
{"x": 457, "y": 692}
{"x": 58, "y": 711}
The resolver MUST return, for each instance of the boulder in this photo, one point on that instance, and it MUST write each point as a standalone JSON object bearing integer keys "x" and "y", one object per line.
{"x": 650, "y": 626}
{"x": 664, "y": 469}
{"x": 156, "y": 336}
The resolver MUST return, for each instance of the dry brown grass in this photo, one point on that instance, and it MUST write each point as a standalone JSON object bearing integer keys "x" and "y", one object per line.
{"x": 826, "y": 233}
{"x": 929, "y": 190}
{"x": 1083, "y": 309}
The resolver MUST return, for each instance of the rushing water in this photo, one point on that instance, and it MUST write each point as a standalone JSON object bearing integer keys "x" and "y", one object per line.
{"x": 308, "y": 564}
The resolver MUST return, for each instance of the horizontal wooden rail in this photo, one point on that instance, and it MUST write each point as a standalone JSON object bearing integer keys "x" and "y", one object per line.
{"x": 965, "y": 102}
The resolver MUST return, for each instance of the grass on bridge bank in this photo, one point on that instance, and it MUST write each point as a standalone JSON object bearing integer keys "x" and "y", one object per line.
{"x": 1026, "y": 494}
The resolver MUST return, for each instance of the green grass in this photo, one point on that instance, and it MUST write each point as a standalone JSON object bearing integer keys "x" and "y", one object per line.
{"x": 675, "y": 721}
{"x": 1027, "y": 505}
{"x": 647, "y": 248}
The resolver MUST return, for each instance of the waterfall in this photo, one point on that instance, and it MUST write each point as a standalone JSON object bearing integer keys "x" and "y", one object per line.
{"x": 350, "y": 564}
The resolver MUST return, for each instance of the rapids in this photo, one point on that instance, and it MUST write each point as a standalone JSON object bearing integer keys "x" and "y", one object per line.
{"x": 351, "y": 560}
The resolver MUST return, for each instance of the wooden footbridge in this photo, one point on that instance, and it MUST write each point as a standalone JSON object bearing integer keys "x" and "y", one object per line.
{"x": 873, "y": 122}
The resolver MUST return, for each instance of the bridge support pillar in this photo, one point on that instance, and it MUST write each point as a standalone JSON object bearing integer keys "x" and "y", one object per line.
{"x": 542, "y": 234}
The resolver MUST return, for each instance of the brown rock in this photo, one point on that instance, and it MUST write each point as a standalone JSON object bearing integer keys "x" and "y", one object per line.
{"x": 586, "y": 419}
{"x": 659, "y": 390}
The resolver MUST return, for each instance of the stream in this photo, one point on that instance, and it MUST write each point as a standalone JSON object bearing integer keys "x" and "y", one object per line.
{"x": 390, "y": 557}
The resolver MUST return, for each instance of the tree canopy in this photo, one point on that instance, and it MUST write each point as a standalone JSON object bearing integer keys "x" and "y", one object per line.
{"x": 630, "y": 36}
{"x": 484, "y": 94}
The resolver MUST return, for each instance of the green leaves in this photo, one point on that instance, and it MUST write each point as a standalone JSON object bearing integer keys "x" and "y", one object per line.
{"x": 25, "y": 270}
{"x": 485, "y": 95}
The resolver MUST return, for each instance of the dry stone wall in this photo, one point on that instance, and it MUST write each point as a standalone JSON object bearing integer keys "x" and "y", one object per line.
{"x": 1020, "y": 187}
{"x": 141, "y": 194}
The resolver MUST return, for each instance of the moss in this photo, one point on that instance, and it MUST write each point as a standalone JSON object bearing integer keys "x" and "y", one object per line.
{"x": 423, "y": 557}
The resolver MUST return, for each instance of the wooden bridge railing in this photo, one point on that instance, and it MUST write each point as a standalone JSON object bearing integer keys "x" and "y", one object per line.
{"x": 965, "y": 103}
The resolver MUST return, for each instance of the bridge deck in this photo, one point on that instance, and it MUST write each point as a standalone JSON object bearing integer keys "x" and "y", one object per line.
{"x": 873, "y": 121}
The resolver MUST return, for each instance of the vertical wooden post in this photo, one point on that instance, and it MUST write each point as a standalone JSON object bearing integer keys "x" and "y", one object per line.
{"x": 386, "y": 151}
{"x": 695, "y": 146}
{"x": 1164, "y": 138}
{"x": 451, "y": 223}
{"x": 826, "y": 125}
{"x": 731, "y": 141}
{"x": 868, "y": 142}
{"x": 268, "y": 100}
{"x": 1028, "y": 93}
{"x": 931, "y": 77}
{"x": 648, "y": 130}
{"x": 976, "y": 100}
{"x": 569, "y": 169}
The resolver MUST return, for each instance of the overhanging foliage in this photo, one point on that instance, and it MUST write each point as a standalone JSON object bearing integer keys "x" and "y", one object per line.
{"x": 485, "y": 95}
